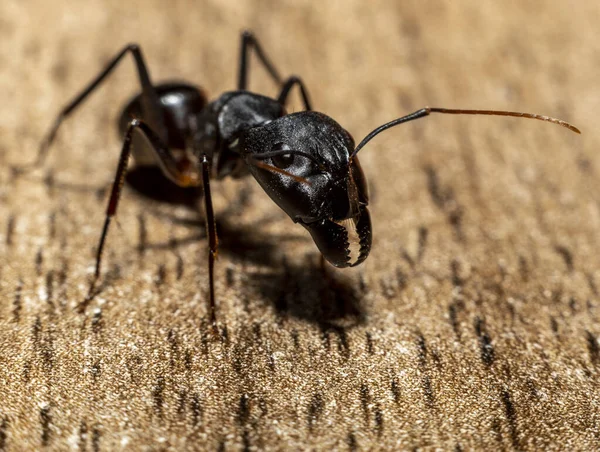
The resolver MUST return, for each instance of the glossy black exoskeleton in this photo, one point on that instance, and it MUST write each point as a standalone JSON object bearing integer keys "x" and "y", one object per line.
{"x": 306, "y": 162}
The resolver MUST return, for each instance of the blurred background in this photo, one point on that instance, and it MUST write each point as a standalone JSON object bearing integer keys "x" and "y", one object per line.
{"x": 484, "y": 265}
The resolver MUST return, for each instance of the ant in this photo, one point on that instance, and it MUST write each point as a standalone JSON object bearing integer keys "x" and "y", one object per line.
{"x": 305, "y": 161}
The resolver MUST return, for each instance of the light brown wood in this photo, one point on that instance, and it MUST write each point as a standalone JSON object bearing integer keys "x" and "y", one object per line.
{"x": 474, "y": 324}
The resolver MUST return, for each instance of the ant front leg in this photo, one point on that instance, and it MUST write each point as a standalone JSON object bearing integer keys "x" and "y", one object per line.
{"x": 150, "y": 103}
{"x": 288, "y": 85}
{"x": 182, "y": 172}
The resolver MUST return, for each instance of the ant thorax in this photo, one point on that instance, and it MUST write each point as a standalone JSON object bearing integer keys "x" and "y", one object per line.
{"x": 223, "y": 121}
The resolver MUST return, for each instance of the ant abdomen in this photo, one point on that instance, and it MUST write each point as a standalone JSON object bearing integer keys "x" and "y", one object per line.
{"x": 178, "y": 103}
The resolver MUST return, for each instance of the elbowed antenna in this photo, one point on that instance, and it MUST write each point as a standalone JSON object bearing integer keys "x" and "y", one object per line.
{"x": 274, "y": 169}
{"x": 428, "y": 110}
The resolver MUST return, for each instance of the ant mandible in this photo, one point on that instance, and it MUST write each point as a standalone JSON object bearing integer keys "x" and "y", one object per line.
{"x": 305, "y": 161}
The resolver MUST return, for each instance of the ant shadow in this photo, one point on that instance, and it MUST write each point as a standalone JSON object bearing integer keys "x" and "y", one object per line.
{"x": 306, "y": 290}
{"x": 313, "y": 293}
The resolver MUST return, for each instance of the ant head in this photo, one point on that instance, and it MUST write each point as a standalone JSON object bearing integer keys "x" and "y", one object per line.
{"x": 303, "y": 162}
{"x": 306, "y": 162}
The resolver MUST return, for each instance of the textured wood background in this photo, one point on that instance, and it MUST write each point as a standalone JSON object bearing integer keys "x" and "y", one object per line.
{"x": 474, "y": 324}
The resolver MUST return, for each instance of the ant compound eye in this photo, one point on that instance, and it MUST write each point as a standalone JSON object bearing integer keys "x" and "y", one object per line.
{"x": 282, "y": 161}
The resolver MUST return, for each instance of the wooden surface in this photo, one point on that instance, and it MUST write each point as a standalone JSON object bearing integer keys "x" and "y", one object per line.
{"x": 474, "y": 323}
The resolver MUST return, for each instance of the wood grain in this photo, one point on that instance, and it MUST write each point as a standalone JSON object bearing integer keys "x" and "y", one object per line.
{"x": 473, "y": 325}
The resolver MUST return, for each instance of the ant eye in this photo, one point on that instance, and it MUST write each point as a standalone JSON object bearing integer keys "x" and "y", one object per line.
{"x": 282, "y": 161}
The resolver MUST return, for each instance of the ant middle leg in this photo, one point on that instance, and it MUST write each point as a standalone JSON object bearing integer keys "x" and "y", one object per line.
{"x": 183, "y": 172}
{"x": 250, "y": 41}
{"x": 288, "y": 85}
{"x": 213, "y": 242}
{"x": 150, "y": 104}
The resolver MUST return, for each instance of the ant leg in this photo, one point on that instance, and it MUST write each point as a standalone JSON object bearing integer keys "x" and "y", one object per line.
{"x": 150, "y": 103}
{"x": 288, "y": 85}
{"x": 181, "y": 172}
{"x": 213, "y": 242}
{"x": 249, "y": 40}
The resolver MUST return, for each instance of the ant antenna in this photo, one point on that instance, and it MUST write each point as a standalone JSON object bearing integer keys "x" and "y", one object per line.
{"x": 274, "y": 169}
{"x": 428, "y": 110}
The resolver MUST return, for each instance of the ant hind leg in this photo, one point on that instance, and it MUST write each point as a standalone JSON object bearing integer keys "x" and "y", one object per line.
{"x": 150, "y": 104}
{"x": 182, "y": 172}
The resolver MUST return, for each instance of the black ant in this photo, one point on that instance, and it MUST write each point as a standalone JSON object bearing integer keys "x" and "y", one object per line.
{"x": 305, "y": 161}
